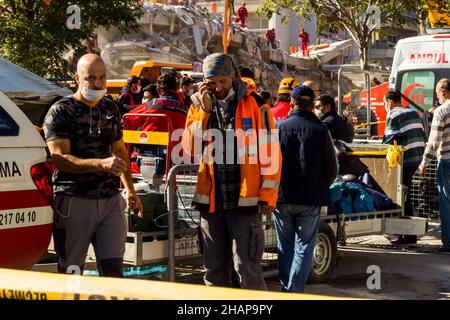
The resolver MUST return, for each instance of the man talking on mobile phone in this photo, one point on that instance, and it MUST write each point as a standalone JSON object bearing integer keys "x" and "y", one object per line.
{"x": 237, "y": 180}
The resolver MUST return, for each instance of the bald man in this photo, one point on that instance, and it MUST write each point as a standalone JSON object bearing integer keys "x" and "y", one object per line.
{"x": 84, "y": 135}
{"x": 314, "y": 86}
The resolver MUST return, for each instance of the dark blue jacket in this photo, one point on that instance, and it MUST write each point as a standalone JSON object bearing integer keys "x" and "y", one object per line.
{"x": 338, "y": 127}
{"x": 309, "y": 160}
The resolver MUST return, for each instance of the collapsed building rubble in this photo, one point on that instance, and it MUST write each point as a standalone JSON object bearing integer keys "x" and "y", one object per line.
{"x": 176, "y": 33}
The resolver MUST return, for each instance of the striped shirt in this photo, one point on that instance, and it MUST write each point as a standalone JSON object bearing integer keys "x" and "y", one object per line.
{"x": 439, "y": 135}
{"x": 404, "y": 126}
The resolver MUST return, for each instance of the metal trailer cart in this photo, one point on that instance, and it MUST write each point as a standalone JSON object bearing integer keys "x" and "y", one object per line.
{"x": 177, "y": 245}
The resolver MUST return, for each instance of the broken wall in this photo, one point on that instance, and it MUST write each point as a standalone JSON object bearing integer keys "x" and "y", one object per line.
{"x": 176, "y": 33}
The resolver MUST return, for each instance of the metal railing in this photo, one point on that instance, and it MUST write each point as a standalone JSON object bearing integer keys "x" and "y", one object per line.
{"x": 366, "y": 74}
{"x": 184, "y": 220}
{"x": 175, "y": 191}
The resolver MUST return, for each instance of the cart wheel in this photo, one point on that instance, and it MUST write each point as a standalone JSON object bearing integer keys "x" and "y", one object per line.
{"x": 324, "y": 256}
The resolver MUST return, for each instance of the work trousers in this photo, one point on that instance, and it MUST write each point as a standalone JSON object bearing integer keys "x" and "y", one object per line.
{"x": 233, "y": 239}
{"x": 80, "y": 222}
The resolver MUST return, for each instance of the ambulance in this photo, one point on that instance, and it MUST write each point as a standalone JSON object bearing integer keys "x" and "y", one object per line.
{"x": 26, "y": 215}
{"x": 419, "y": 63}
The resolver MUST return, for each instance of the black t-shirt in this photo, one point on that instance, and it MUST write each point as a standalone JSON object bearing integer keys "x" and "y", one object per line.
{"x": 92, "y": 133}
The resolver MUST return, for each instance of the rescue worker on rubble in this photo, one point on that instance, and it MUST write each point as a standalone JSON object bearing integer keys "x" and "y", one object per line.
{"x": 282, "y": 105}
{"x": 304, "y": 40}
{"x": 233, "y": 194}
{"x": 242, "y": 14}
{"x": 270, "y": 37}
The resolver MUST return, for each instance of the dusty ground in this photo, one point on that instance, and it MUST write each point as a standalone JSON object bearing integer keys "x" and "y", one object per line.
{"x": 410, "y": 272}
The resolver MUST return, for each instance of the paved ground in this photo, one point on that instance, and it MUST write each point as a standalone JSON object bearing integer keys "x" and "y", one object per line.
{"x": 412, "y": 272}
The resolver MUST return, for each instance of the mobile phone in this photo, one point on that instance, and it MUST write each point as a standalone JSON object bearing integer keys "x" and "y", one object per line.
{"x": 210, "y": 88}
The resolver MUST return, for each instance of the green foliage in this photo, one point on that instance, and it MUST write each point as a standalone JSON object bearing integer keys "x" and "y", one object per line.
{"x": 443, "y": 7}
{"x": 34, "y": 34}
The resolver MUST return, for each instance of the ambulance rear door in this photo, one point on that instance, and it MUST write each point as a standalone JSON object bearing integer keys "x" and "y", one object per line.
{"x": 420, "y": 65}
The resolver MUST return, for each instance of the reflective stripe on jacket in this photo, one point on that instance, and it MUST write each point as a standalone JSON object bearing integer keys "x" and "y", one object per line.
{"x": 257, "y": 143}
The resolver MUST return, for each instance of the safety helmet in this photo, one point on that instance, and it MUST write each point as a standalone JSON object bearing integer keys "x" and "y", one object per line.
{"x": 287, "y": 85}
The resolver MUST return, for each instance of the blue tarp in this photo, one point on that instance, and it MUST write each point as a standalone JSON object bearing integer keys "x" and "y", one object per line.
{"x": 350, "y": 197}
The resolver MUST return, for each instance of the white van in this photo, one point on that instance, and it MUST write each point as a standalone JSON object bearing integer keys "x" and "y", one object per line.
{"x": 26, "y": 215}
{"x": 419, "y": 63}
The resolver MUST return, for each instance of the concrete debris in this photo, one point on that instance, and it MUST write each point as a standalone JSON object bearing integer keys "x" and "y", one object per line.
{"x": 176, "y": 33}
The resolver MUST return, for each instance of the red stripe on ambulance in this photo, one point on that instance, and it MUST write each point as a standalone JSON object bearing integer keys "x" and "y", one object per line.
{"x": 20, "y": 248}
{"x": 21, "y": 199}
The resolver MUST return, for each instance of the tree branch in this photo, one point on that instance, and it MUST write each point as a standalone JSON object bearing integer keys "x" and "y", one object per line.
{"x": 352, "y": 34}
{"x": 5, "y": 9}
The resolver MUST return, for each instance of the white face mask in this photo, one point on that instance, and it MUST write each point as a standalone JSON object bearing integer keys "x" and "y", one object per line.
{"x": 318, "y": 113}
{"x": 93, "y": 95}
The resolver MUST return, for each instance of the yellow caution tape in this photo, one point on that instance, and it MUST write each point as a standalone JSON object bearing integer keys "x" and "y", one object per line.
{"x": 362, "y": 125}
{"x": 367, "y": 153}
{"x": 146, "y": 137}
{"x": 30, "y": 285}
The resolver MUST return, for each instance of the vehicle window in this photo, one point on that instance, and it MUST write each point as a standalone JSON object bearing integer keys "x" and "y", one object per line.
{"x": 8, "y": 127}
{"x": 419, "y": 87}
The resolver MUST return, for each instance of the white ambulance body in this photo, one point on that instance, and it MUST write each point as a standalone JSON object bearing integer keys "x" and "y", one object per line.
{"x": 419, "y": 63}
{"x": 26, "y": 215}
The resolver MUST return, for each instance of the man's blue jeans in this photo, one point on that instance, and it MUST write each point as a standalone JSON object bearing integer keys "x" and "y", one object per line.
{"x": 443, "y": 180}
{"x": 297, "y": 227}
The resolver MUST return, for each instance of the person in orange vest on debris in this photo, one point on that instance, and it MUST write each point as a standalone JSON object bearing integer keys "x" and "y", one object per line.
{"x": 304, "y": 39}
{"x": 214, "y": 7}
{"x": 242, "y": 14}
{"x": 282, "y": 105}
{"x": 239, "y": 184}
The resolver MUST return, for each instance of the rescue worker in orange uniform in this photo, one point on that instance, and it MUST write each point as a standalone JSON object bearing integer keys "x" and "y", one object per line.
{"x": 232, "y": 193}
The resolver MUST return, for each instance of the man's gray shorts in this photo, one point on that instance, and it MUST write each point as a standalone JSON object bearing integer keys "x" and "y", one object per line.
{"x": 80, "y": 222}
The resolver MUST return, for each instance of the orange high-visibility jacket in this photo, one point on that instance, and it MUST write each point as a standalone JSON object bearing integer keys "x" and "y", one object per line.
{"x": 261, "y": 170}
